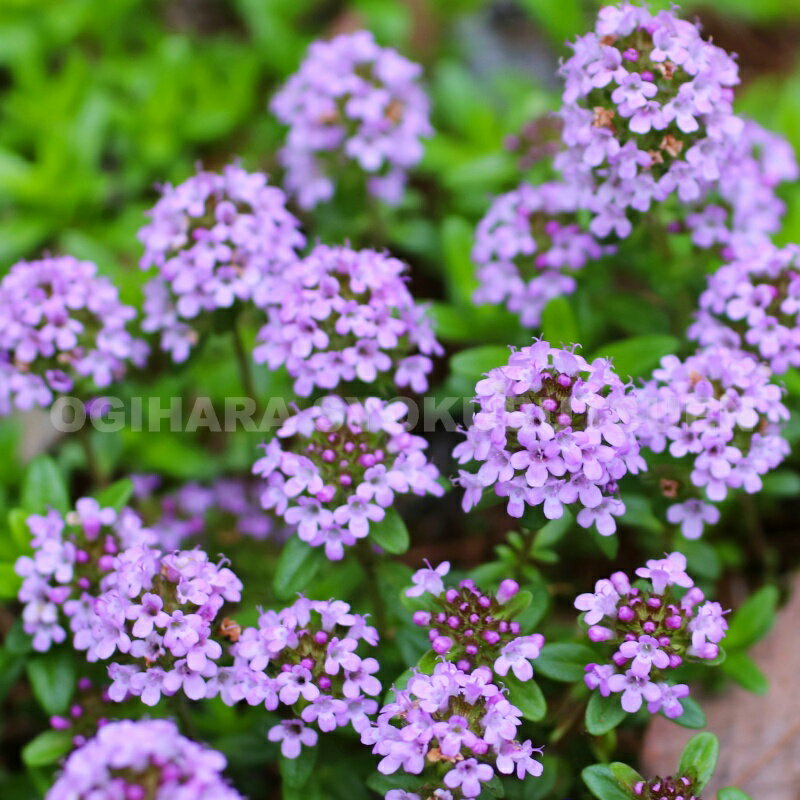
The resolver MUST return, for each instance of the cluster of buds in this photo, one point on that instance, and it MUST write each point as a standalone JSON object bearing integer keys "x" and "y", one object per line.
{"x": 653, "y": 630}
{"x": 85, "y": 715}
{"x": 303, "y": 658}
{"x": 73, "y": 556}
{"x": 472, "y": 628}
{"x": 671, "y": 788}
{"x": 454, "y": 729}
{"x": 552, "y": 429}
{"x": 334, "y": 468}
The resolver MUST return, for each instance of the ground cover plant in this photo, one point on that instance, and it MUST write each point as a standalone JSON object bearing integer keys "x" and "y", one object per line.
{"x": 384, "y": 415}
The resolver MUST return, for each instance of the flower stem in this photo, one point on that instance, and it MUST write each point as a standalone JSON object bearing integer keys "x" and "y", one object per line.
{"x": 98, "y": 477}
{"x": 243, "y": 362}
{"x": 369, "y": 563}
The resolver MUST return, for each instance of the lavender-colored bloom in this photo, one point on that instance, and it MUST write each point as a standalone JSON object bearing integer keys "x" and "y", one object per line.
{"x": 553, "y": 430}
{"x": 647, "y": 114}
{"x": 138, "y": 759}
{"x": 351, "y": 102}
{"x": 692, "y": 515}
{"x": 68, "y": 569}
{"x": 334, "y": 468}
{"x": 460, "y": 715}
{"x": 429, "y": 580}
{"x": 677, "y": 786}
{"x": 341, "y": 315}
{"x": 304, "y": 657}
{"x": 650, "y": 631}
{"x": 528, "y": 245}
{"x": 719, "y": 411}
{"x": 62, "y": 329}
{"x": 754, "y": 303}
{"x": 215, "y": 240}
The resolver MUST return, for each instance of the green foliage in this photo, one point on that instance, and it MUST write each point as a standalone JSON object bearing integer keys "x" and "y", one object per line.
{"x": 699, "y": 758}
{"x": 603, "y": 714}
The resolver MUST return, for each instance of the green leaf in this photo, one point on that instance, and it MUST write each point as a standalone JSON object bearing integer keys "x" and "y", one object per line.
{"x": 477, "y": 361}
{"x": 603, "y": 714}
{"x": 47, "y": 748}
{"x": 693, "y": 715}
{"x": 559, "y": 324}
{"x": 43, "y": 487}
{"x": 752, "y": 619}
{"x": 781, "y": 483}
{"x": 295, "y": 772}
{"x": 457, "y": 236}
{"x": 10, "y": 582}
{"x": 427, "y": 662}
{"x": 526, "y": 696}
{"x": 564, "y": 661}
{"x": 52, "y": 677}
{"x": 626, "y": 776}
{"x": 20, "y": 533}
{"x": 637, "y": 356}
{"x": 553, "y": 532}
{"x": 745, "y": 672}
{"x": 117, "y": 495}
{"x": 699, "y": 758}
{"x": 390, "y": 533}
{"x": 517, "y": 605}
{"x": 297, "y": 566}
{"x": 399, "y": 780}
{"x": 607, "y": 545}
{"x": 602, "y": 784}
{"x": 732, "y": 793}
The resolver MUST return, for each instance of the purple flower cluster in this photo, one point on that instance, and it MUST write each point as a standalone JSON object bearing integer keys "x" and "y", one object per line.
{"x": 334, "y": 468}
{"x": 216, "y": 239}
{"x": 552, "y": 430}
{"x": 653, "y": 631}
{"x": 341, "y": 315}
{"x": 229, "y": 504}
{"x": 527, "y": 245}
{"x": 647, "y": 112}
{"x": 162, "y": 613}
{"x": 304, "y": 658}
{"x": 62, "y": 329}
{"x": 455, "y": 729}
{"x": 72, "y": 556}
{"x": 674, "y": 787}
{"x": 351, "y": 102}
{"x": 142, "y": 760}
{"x": 718, "y": 411}
{"x": 473, "y": 629}
{"x": 754, "y": 303}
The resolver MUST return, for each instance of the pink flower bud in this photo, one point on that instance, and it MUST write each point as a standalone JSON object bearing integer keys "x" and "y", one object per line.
{"x": 442, "y": 644}
{"x": 491, "y": 637}
{"x": 599, "y": 633}
{"x": 625, "y": 613}
{"x": 507, "y": 589}
{"x": 421, "y": 617}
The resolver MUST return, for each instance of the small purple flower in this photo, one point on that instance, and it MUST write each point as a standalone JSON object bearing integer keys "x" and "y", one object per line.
{"x": 634, "y": 689}
{"x": 467, "y": 776}
{"x": 292, "y": 734}
{"x": 429, "y": 580}
{"x": 645, "y": 653}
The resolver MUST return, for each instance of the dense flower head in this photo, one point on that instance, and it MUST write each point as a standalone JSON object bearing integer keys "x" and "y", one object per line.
{"x": 719, "y": 413}
{"x": 552, "y": 429}
{"x": 528, "y": 244}
{"x": 674, "y": 787}
{"x": 161, "y": 615}
{"x": 334, "y": 468}
{"x": 62, "y": 329}
{"x": 351, "y": 101}
{"x": 754, "y": 303}
{"x": 216, "y": 239}
{"x": 229, "y": 504}
{"x": 142, "y": 760}
{"x": 73, "y": 555}
{"x": 653, "y": 630}
{"x": 303, "y": 659}
{"x": 473, "y": 628}
{"x": 341, "y": 315}
{"x": 647, "y": 111}
{"x": 455, "y": 729}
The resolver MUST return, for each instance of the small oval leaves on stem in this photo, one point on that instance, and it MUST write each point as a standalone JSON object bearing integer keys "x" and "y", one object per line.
{"x": 601, "y": 782}
{"x": 603, "y": 714}
{"x": 526, "y": 696}
{"x": 564, "y": 661}
{"x": 297, "y": 566}
{"x": 47, "y": 748}
{"x": 693, "y": 715}
{"x": 699, "y": 758}
{"x": 43, "y": 487}
{"x": 390, "y": 533}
